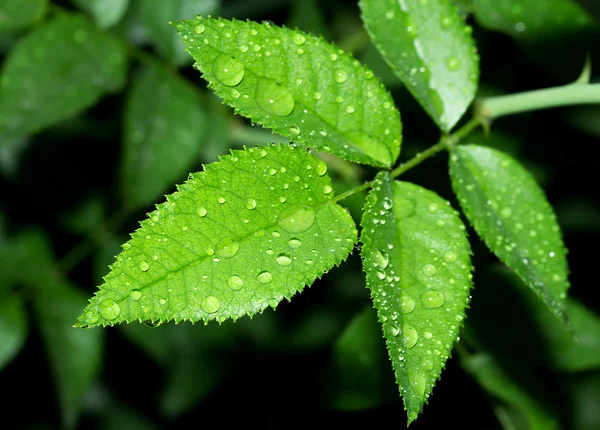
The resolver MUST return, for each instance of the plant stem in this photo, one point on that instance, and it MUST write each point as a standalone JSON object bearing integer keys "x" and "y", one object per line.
{"x": 572, "y": 94}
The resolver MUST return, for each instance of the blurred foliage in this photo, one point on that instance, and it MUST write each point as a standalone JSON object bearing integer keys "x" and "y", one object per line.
{"x": 319, "y": 358}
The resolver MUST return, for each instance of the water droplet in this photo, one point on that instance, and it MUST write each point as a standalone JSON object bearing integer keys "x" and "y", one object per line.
{"x": 283, "y": 260}
{"x": 264, "y": 277}
{"x": 295, "y": 130}
{"x": 321, "y": 168}
{"x": 410, "y": 337}
{"x": 228, "y": 70}
{"x": 427, "y": 365}
{"x": 350, "y": 109}
{"x": 272, "y": 172}
{"x": 210, "y": 304}
{"x": 317, "y": 95}
{"x": 407, "y": 304}
{"x": 227, "y": 248}
{"x": 433, "y": 208}
{"x": 199, "y": 29}
{"x": 432, "y": 299}
{"x": 201, "y": 211}
{"x": 395, "y": 330}
{"x": 387, "y": 203}
{"x": 235, "y": 283}
{"x": 235, "y": 94}
{"x": 340, "y": 76}
{"x": 109, "y": 309}
{"x": 90, "y": 317}
{"x": 452, "y": 63}
{"x": 381, "y": 275}
{"x": 295, "y": 243}
{"x": 221, "y": 200}
{"x": 327, "y": 189}
{"x": 429, "y": 270}
{"x": 450, "y": 256}
{"x": 447, "y": 22}
{"x": 298, "y": 39}
{"x": 273, "y": 98}
{"x": 135, "y": 295}
{"x": 506, "y": 212}
{"x": 250, "y": 204}
{"x": 296, "y": 218}
{"x": 144, "y": 266}
{"x": 381, "y": 258}
{"x": 126, "y": 246}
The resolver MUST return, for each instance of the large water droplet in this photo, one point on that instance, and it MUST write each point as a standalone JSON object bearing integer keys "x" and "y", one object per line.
{"x": 89, "y": 317}
{"x": 250, "y": 204}
{"x": 201, "y": 211}
{"x": 410, "y": 337}
{"x": 296, "y": 218}
{"x": 227, "y": 247}
{"x": 135, "y": 295}
{"x": 381, "y": 258}
{"x": 109, "y": 309}
{"x": 210, "y": 304}
{"x": 126, "y": 246}
{"x": 283, "y": 260}
{"x": 395, "y": 330}
{"x": 340, "y": 76}
{"x": 199, "y": 29}
{"x": 432, "y": 299}
{"x": 295, "y": 243}
{"x": 429, "y": 270}
{"x": 274, "y": 98}
{"x": 321, "y": 168}
{"x": 327, "y": 189}
{"x": 228, "y": 70}
{"x": 144, "y": 266}
{"x": 264, "y": 277}
{"x": 235, "y": 283}
{"x": 450, "y": 256}
{"x": 407, "y": 304}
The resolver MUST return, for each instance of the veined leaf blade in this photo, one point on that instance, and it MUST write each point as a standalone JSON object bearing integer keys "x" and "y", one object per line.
{"x": 511, "y": 214}
{"x": 250, "y": 230}
{"x": 430, "y": 49}
{"x": 298, "y": 85}
{"x": 417, "y": 260}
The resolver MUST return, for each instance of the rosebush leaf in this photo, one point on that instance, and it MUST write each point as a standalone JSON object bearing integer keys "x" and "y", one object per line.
{"x": 430, "y": 49}
{"x": 511, "y": 214}
{"x": 417, "y": 260}
{"x": 250, "y": 230}
{"x": 298, "y": 85}
{"x": 15, "y": 15}
{"x": 164, "y": 126}
{"x": 106, "y": 13}
{"x": 79, "y": 65}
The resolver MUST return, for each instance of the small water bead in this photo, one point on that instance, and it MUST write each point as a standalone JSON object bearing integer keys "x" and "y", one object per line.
{"x": 429, "y": 270}
{"x": 321, "y": 168}
{"x": 387, "y": 203}
{"x": 235, "y": 283}
{"x": 350, "y": 109}
{"x": 235, "y": 94}
{"x": 210, "y": 304}
{"x": 294, "y": 243}
{"x": 309, "y": 262}
{"x": 506, "y": 213}
{"x": 199, "y": 29}
{"x": 411, "y": 336}
{"x": 340, "y": 76}
{"x": 452, "y": 63}
{"x": 135, "y": 295}
{"x": 90, "y": 317}
{"x": 296, "y": 218}
{"x": 395, "y": 330}
{"x": 221, "y": 200}
{"x": 450, "y": 256}
{"x": 273, "y": 98}
{"x": 276, "y": 234}
{"x": 264, "y": 277}
{"x": 201, "y": 211}
{"x": 381, "y": 275}
{"x": 126, "y": 246}
{"x": 432, "y": 299}
{"x": 228, "y": 70}
{"x": 272, "y": 172}
{"x": 381, "y": 258}
{"x": 447, "y": 22}
{"x": 283, "y": 260}
{"x": 250, "y": 204}
{"x": 407, "y": 304}
{"x": 295, "y": 130}
{"x": 162, "y": 301}
{"x": 144, "y": 266}
{"x": 327, "y": 189}
{"x": 244, "y": 48}
{"x": 298, "y": 39}
{"x": 433, "y": 208}
{"x": 109, "y": 309}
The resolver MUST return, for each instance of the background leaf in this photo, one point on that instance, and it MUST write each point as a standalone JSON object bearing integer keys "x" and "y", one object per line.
{"x": 215, "y": 250}
{"x": 55, "y": 72}
{"x": 298, "y": 85}
{"x": 431, "y": 50}
{"x": 13, "y": 326}
{"x": 106, "y": 13}
{"x": 15, "y": 15}
{"x": 511, "y": 214}
{"x": 164, "y": 126}
{"x": 416, "y": 257}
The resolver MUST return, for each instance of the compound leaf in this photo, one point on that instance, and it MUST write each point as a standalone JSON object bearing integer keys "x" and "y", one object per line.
{"x": 164, "y": 126}
{"x": 417, "y": 260}
{"x": 298, "y": 85}
{"x": 15, "y": 15}
{"x": 106, "y": 13}
{"x": 510, "y": 213}
{"x": 251, "y": 229}
{"x": 55, "y": 72}
{"x": 430, "y": 49}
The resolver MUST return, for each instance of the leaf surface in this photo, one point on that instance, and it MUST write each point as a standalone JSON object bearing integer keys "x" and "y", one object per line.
{"x": 164, "y": 126}
{"x": 13, "y": 327}
{"x": 250, "y": 230}
{"x": 16, "y": 15}
{"x": 55, "y": 72}
{"x": 529, "y": 19}
{"x": 106, "y": 13}
{"x": 511, "y": 214}
{"x": 298, "y": 85}
{"x": 430, "y": 49}
{"x": 417, "y": 260}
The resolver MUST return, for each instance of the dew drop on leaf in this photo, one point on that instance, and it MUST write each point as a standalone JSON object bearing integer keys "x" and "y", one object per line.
{"x": 201, "y": 211}
{"x": 296, "y": 218}
{"x": 210, "y": 304}
{"x": 109, "y": 309}
{"x": 321, "y": 168}
{"x": 432, "y": 299}
{"x": 340, "y": 76}
{"x": 144, "y": 266}
{"x": 429, "y": 270}
{"x": 199, "y": 29}
{"x": 228, "y": 70}
{"x": 90, "y": 317}
{"x": 135, "y": 295}
{"x": 327, "y": 189}
{"x": 295, "y": 243}
{"x": 235, "y": 283}
{"x": 433, "y": 208}
{"x": 381, "y": 258}
{"x": 126, "y": 246}
{"x": 283, "y": 260}
{"x": 410, "y": 337}
{"x": 264, "y": 277}
{"x": 407, "y": 304}
{"x": 450, "y": 256}
{"x": 250, "y": 204}
{"x": 395, "y": 331}
{"x": 273, "y": 98}
{"x": 227, "y": 248}
{"x": 299, "y": 39}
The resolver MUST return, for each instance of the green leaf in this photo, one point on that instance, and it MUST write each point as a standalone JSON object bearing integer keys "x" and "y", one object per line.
{"x": 164, "y": 126}
{"x": 431, "y": 50}
{"x": 417, "y": 260}
{"x": 13, "y": 327}
{"x": 298, "y": 85}
{"x": 530, "y": 19}
{"x": 79, "y": 65}
{"x": 156, "y": 16}
{"x": 495, "y": 381}
{"x": 510, "y": 213}
{"x": 250, "y": 230}
{"x": 16, "y": 15}
{"x": 106, "y": 13}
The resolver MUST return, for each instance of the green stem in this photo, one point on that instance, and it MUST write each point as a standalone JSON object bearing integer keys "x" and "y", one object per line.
{"x": 566, "y": 95}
